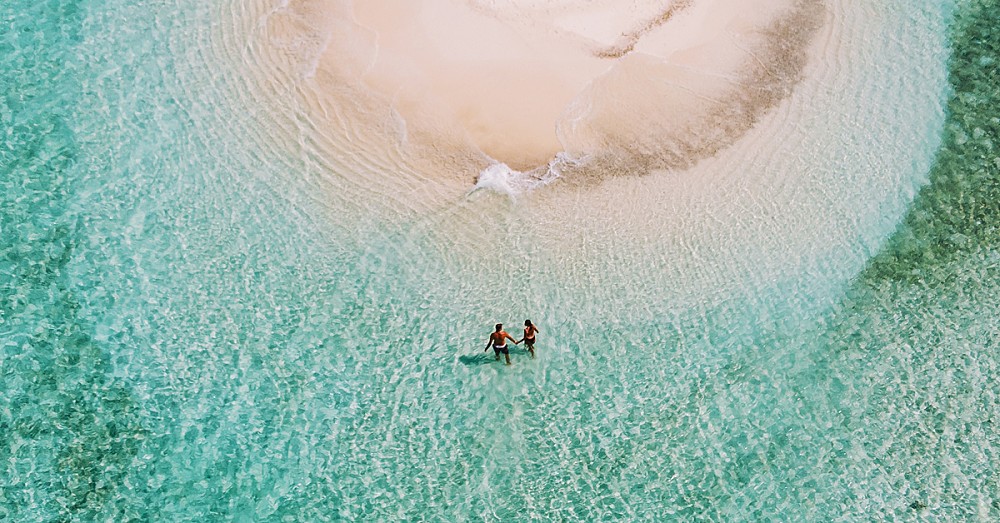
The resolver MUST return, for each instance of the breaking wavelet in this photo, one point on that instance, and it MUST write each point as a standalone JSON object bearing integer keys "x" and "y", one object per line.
{"x": 571, "y": 89}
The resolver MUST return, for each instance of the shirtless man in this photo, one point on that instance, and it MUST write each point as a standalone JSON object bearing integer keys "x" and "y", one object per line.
{"x": 498, "y": 340}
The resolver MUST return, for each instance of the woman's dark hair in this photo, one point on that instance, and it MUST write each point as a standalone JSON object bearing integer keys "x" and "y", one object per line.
{"x": 527, "y": 323}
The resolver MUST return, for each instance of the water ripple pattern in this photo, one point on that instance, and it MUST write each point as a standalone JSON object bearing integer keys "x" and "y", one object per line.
{"x": 224, "y": 298}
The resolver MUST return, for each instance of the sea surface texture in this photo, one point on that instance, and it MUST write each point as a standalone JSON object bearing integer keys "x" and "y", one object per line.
{"x": 239, "y": 283}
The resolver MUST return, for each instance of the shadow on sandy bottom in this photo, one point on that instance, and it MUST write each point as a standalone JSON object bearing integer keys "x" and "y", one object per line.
{"x": 477, "y": 359}
{"x": 487, "y": 358}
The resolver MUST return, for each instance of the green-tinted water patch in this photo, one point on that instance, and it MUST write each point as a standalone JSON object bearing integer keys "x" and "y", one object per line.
{"x": 69, "y": 430}
{"x": 958, "y": 213}
{"x": 911, "y": 362}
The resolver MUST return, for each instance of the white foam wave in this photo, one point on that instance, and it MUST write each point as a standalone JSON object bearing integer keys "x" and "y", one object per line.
{"x": 501, "y": 178}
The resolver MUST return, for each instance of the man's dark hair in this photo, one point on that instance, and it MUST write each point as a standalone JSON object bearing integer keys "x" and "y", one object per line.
{"x": 499, "y": 326}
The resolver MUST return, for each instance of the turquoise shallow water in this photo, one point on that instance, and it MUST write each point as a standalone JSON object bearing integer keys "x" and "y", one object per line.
{"x": 189, "y": 332}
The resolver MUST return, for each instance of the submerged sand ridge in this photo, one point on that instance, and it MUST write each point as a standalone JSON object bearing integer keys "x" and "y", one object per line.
{"x": 623, "y": 88}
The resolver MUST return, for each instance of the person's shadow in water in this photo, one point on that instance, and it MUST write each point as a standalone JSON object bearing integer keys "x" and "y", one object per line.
{"x": 477, "y": 359}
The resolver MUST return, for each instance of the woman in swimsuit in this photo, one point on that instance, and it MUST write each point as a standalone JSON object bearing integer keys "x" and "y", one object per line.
{"x": 529, "y": 337}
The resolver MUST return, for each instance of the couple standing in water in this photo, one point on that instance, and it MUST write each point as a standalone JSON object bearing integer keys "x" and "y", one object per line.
{"x": 498, "y": 339}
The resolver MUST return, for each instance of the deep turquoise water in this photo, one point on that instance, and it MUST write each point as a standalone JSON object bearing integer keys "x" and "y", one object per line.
{"x": 189, "y": 332}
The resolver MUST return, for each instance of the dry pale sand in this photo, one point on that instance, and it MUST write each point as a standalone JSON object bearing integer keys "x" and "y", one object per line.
{"x": 650, "y": 84}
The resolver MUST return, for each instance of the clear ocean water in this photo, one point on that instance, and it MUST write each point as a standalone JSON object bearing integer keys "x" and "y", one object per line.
{"x": 209, "y": 313}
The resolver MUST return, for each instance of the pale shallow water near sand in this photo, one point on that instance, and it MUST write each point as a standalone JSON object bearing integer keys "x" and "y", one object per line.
{"x": 217, "y": 306}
